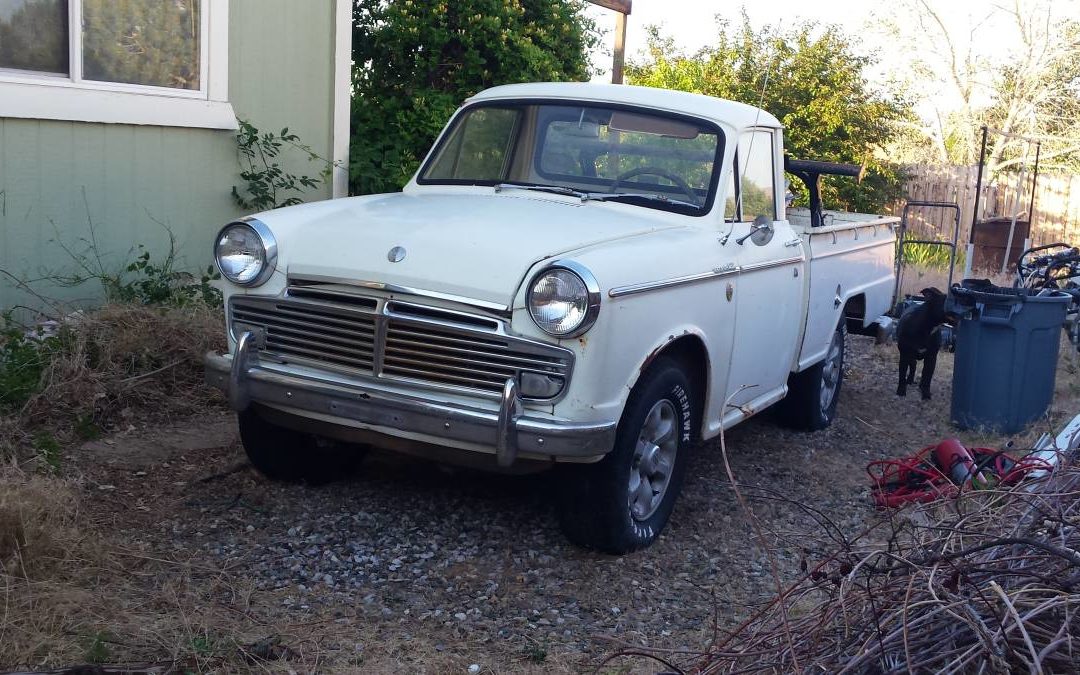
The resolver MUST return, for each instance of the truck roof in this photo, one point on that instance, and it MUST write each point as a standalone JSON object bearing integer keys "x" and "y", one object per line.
{"x": 732, "y": 113}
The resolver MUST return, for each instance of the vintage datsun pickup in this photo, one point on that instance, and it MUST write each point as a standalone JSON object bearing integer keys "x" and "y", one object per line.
{"x": 582, "y": 275}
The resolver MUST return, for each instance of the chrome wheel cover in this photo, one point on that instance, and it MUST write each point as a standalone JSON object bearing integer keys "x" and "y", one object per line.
{"x": 831, "y": 372}
{"x": 654, "y": 460}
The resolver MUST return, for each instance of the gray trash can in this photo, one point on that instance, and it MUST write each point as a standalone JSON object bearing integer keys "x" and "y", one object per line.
{"x": 1006, "y": 355}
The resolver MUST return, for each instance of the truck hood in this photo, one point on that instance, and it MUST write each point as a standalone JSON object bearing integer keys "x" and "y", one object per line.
{"x": 476, "y": 246}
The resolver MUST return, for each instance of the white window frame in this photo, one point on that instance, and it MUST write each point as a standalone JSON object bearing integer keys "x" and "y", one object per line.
{"x": 31, "y": 95}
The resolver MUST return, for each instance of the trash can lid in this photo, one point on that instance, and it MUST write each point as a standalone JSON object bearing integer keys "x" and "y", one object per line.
{"x": 971, "y": 291}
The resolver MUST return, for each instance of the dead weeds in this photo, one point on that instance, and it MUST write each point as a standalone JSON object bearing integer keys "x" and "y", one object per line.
{"x": 70, "y": 593}
{"x": 42, "y": 545}
{"x": 114, "y": 368}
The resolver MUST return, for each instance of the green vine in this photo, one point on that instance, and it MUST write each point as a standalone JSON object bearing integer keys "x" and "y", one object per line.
{"x": 267, "y": 184}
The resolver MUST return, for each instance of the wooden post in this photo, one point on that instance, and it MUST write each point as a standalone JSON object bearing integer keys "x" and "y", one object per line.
{"x": 620, "y": 49}
{"x": 622, "y": 10}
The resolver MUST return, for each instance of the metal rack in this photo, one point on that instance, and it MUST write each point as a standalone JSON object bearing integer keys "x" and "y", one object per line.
{"x": 903, "y": 241}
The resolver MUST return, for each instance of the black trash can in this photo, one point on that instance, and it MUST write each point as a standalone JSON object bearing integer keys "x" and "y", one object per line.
{"x": 1007, "y": 344}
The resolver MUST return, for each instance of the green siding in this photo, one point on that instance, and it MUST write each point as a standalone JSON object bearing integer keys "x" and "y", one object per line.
{"x": 140, "y": 180}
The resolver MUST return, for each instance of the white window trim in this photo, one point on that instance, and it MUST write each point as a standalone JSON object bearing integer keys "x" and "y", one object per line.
{"x": 70, "y": 98}
{"x": 342, "y": 96}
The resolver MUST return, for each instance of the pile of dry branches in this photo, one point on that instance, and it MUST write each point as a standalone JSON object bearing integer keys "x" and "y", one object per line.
{"x": 989, "y": 582}
{"x": 119, "y": 365}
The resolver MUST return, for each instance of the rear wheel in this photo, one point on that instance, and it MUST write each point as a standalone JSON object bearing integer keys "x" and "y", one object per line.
{"x": 292, "y": 456}
{"x": 814, "y": 393}
{"x": 623, "y": 502}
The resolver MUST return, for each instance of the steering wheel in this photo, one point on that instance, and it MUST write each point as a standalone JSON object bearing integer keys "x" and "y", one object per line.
{"x": 653, "y": 171}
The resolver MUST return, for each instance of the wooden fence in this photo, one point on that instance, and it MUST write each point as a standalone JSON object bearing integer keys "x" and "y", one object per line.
{"x": 1057, "y": 202}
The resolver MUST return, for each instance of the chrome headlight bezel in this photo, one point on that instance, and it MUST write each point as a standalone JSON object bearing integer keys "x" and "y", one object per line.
{"x": 269, "y": 251}
{"x": 591, "y": 296}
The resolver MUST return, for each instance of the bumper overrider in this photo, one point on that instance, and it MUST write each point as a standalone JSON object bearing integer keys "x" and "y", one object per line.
{"x": 508, "y": 432}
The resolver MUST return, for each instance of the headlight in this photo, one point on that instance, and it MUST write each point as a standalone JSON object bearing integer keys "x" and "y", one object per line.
{"x": 246, "y": 252}
{"x": 564, "y": 299}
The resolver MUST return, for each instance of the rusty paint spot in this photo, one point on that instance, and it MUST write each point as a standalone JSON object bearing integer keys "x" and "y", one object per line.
{"x": 584, "y": 341}
{"x": 652, "y": 357}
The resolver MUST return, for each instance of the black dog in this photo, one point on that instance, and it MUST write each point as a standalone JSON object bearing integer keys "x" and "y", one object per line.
{"x": 918, "y": 336}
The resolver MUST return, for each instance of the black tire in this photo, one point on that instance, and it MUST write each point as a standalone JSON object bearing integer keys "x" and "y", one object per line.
{"x": 598, "y": 511}
{"x": 804, "y": 407}
{"x": 290, "y": 456}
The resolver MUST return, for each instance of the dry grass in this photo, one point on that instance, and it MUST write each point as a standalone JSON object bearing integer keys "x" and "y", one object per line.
{"x": 42, "y": 545}
{"x": 37, "y": 523}
{"x": 118, "y": 366}
{"x": 69, "y": 593}
{"x": 72, "y": 592}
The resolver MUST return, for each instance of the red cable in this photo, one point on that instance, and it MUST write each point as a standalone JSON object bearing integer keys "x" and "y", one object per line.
{"x": 918, "y": 478}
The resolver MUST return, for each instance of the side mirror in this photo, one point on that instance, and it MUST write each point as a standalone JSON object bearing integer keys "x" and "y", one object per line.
{"x": 761, "y": 232}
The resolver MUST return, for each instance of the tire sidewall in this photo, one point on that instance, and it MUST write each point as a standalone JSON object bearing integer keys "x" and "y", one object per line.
{"x": 665, "y": 382}
{"x": 824, "y": 418}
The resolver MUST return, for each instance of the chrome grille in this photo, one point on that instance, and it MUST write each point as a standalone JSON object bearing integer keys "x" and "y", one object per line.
{"x": 394, "y": 340}
{"x": 438, "y": 354}
{"x": 313, "y": 333}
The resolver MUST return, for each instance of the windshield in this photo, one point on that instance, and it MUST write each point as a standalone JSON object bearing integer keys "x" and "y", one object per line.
{"x": 601, "y": 152}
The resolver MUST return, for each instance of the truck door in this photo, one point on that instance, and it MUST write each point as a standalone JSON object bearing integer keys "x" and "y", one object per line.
{"x": 770, "y": 259}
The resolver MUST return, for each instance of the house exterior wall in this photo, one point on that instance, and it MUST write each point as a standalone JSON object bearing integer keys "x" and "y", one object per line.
{"x": 138, "y": 183}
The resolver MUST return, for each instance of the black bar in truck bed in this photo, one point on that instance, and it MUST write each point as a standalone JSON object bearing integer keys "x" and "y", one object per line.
{"x": 810, "y": 172}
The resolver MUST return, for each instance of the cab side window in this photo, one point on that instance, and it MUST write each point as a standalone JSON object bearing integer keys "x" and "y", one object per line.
{"x": 479, "y": 148}
{"x": 757, "y": 177}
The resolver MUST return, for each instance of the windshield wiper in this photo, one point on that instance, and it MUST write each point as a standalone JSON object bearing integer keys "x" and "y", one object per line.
{"x": 553, "y": 189}
{"x": 663, "y": 199}
{"x": 594, "y": 196}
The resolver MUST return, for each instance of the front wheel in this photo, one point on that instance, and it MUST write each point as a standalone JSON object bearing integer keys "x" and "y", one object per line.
{"x": 290, "y": 456}
{"x": 813, "y": 394}
{"x": 623, "y": 502}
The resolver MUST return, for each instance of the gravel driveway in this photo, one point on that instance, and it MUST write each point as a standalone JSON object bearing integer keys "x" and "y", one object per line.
{"x": 413, "y": 565}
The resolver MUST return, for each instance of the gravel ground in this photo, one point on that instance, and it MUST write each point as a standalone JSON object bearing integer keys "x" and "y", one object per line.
{"x": 416, "y": 566}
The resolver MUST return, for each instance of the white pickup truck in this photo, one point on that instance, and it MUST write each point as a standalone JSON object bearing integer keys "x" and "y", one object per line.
{"x": 588, "y": 275}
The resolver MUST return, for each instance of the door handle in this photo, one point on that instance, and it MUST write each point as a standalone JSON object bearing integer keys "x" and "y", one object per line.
{"x": 793, "y": 242}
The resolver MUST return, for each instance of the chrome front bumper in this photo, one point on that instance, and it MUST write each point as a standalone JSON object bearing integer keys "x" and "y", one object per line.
{"x": 507, "y": 432}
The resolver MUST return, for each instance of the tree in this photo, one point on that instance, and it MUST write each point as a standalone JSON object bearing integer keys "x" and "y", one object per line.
{"x": 1014, "y": 67}
{"x": 812, "y": 80}
{"x": 415, "y": 62}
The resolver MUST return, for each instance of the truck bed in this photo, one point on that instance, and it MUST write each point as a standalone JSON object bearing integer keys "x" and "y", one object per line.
{"x": 851, "y": 274}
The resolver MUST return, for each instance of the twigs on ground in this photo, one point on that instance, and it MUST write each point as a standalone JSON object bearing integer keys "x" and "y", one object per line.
{"x": 989, "y": 584}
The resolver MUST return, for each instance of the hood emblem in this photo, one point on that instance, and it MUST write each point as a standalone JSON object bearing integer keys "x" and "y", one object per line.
{"x": 396, "y": 254}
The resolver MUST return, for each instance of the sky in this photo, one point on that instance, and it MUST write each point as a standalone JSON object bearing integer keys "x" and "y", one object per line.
{"x": 691, "y": 21}
{"x": 692, "y": 24}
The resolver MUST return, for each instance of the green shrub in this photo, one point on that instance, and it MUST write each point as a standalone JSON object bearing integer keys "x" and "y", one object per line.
{"x": 415, "y": 62}
{"x": 23, "y": 359}
{"x": 143, "y": 280}
{"x": 268, "y": 185}
{"x": 814, "y": 79}
{"x": 930, "y": 257}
